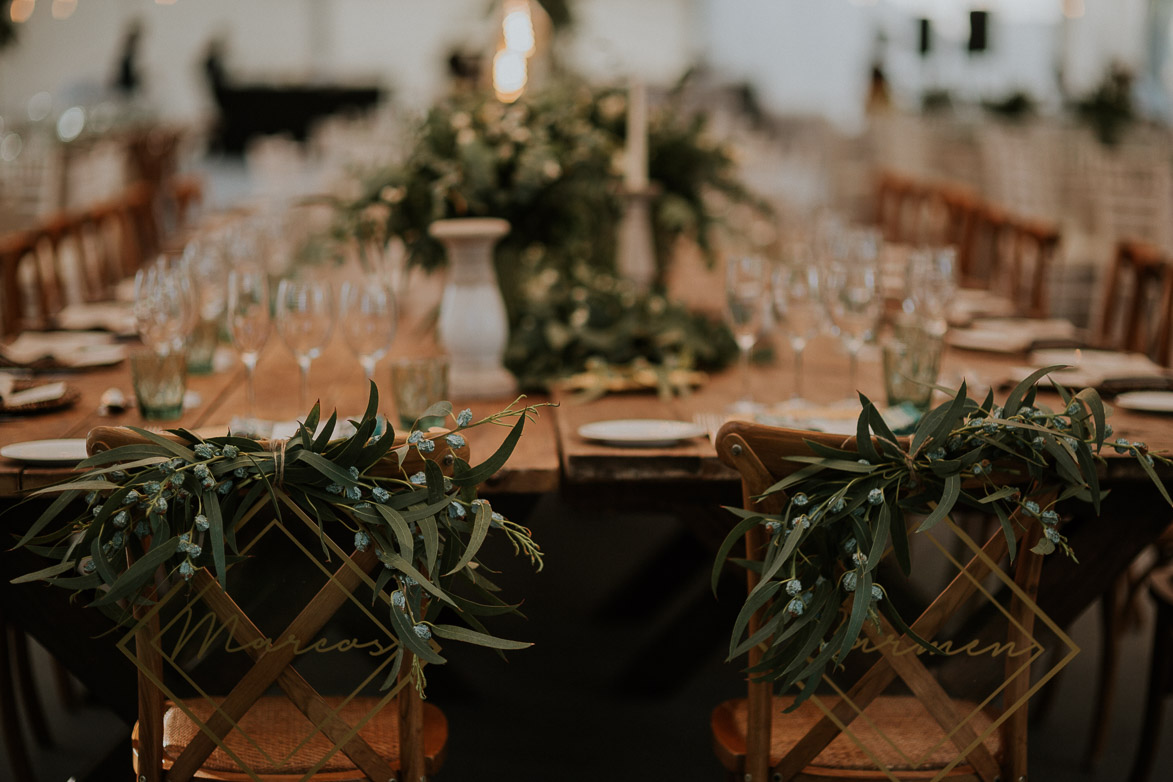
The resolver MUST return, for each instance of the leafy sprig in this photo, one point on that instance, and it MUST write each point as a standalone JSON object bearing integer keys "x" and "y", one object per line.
{"x": 844, "y": 508}
{"x": 175, "y": 504}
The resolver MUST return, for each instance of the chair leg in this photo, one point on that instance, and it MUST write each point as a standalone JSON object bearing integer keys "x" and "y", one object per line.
{"x": 1106, "y": 676}
{"x": 17, "y": 750}
{"x": 30, "y": 698}
{"x": 1160, "y": 685}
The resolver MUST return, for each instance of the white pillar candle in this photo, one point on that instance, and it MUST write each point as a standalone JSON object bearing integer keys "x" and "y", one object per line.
{"x": 637, "y": 136}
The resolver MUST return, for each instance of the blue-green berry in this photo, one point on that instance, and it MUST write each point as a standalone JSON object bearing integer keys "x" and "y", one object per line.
{"x": 464, "y": 418}
{"x": 419, "y": 479}
{"x": 161, "y": 505}
{"x": 334, "y": 488}
{"x": 398, "y": 599}
{"x": 121, "y": 519}
{"x": 800, "y": 499}
{"x": 839, "y": 505}
{"x": 876, "y": 496}
{"x": 1050, "y": 517}
{"x": 415, "y": 437}
{"x": 361, "y": 540}
{"x": 131, "y": 496}
{"x": 796, "y": 607}
{"x": 426, "y": 446}
{"x": 454, "y": 440}
{"x": 202, "y": 523}
{"x": 422, "y": 631}
{"x": 225, "y": 488}
{"x": 850, "y": 545}
{"x": 850, "y": 581}
{"x": 186, "y": 570}
{"x": 877, "y": 593}
{"x": 1052, "y": 534}
{"x": 354, "y": 473}
{"x": 1031, "y": 507}
{"x": 201, "y": 471}
{"x": 231, "y": 451}
{"x": 380, "y": 494}
{"x": 353, "y": 493}
{"x": 97, "y": 511}
{"x": 793, "y": 587}
{"x": 456, "y": 511}
{"x": 204, "y": 451}
{"x": 240, "y": 472}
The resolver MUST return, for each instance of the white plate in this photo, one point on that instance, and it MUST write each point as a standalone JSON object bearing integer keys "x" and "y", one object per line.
{"x": 645, "y": 432}
{"x": 46, "y": 451}
{"x": 1146, "y": 401}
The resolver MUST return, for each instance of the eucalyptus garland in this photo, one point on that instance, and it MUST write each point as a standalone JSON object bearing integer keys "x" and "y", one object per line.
{"x": 175, "y": 504}
{"x": 844, "y": 508}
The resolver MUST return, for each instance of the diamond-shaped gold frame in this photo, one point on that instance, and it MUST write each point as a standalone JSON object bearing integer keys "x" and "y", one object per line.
{"x": 1062, "y": 641}
{"x": 127, "y": 646}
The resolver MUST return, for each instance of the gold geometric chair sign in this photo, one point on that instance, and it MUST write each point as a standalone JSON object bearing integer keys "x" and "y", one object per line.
{"x": 205, "y": 713}
{"x": 893, "y": 710}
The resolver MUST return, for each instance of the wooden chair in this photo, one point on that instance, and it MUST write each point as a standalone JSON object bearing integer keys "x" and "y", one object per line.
{"x": 756, "y": 741}
{"x": 1136, "y": 313}
{"x": 249, "y": 734}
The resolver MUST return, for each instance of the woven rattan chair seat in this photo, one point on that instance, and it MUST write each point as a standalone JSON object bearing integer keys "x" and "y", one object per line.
{"x": 916, "y": 745}
{"x": 277, "y": 741}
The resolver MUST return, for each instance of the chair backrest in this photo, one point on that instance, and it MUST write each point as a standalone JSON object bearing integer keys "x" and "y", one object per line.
{"x": 348, "y": 579}
{"x": 760, "y": 454}
{"x": 1136, "y": 313}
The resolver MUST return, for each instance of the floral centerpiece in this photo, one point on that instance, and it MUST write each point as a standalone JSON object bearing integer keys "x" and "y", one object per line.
{"x": 844, "y": 508}
{"x": 174, "y": 504}
{"x": 549, "y": 164}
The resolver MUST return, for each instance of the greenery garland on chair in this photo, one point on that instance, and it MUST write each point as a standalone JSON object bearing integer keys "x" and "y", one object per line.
{"x": 176, "y": 503}
{"x": 846, "y": 507}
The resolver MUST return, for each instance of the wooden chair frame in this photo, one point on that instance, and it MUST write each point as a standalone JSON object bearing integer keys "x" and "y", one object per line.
{"x": 274, "y": 666}
{"x": 748, "y": 448}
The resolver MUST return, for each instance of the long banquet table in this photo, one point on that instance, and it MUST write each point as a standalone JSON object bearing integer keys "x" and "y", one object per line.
{"x": 552, "y": 457}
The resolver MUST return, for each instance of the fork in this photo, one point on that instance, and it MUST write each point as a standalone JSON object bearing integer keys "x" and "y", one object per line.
{"x": 710, "y": 422}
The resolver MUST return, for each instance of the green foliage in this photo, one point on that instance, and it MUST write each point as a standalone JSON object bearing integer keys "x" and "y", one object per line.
{"x": 845, "y": 507}
{"x": 592, "y": 318}
{"x": 550, "y": 165}
{"x": 1108, "y": 108}
{"x": 177, "y": 506}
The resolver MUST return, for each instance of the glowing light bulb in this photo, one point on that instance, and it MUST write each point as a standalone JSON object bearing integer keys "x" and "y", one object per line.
{"x": 518, "y": 28}
{"x": 509, "y": 75}
{"x": 63, "y": 9}
{"x": 1073, "y": 9}
{"x": 21, "y": 10}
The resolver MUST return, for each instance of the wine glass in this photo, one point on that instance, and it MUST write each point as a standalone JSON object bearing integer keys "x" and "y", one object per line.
{"x": 797, "y": 304}
{"x": 853, "y": 302}
{"x": 746, "y": 284}
{"x": 305, "y": 319}
{"x": 164, "y": 304}
{"x": 248, "y": 320}
{"x": 930, "y": 284}
{"x": 369, "y": 320}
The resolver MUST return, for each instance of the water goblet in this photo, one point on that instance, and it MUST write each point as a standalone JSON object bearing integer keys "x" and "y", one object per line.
{"x": 368, "y": 320}
{"x": 746, "y": 284}
{"x": 305, "y": 319}
{"x": 164, "y": 304}
{"x": 851, "y": 294}
{"x": 248, "y": 320}
{"x": 796, "y": 292}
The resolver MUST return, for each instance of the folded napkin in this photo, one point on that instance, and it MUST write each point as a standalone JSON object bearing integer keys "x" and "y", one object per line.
{"x": 1014, "y": 335}
{"x": 115, "y": 317}
{"x": 971, "y": 303}
{"x": 62, "y": 348}
{"x": 10, "y": 397}
{"x": 1108, "y": 371}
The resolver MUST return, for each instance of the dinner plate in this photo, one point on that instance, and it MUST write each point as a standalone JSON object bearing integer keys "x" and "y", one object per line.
{"x": 47, "y": 451}
{"x": 1146, "y": 401}
{"x": 642, "y": 432}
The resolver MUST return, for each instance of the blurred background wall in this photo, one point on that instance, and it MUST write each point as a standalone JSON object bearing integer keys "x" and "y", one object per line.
{"x": 799, "y": 56}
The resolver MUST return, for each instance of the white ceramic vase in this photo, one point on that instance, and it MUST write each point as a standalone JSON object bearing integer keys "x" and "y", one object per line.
{"x": 473, "y": 324}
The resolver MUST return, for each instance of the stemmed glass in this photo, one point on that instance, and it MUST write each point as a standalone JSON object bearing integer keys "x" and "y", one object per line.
{"x": 165, "y": 307}
{"x": 248, "y": 320}
{"x": 796, "y": 292}
{"x": 930, "y": 284}
{"x": 305, "y": 318}
{"x": 852, "y": 299}
{"x": 746, "y": 285}
{"x": 369, "y": 320}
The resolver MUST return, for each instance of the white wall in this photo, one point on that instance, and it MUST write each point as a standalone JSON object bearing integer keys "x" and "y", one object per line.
{"x": 804, "y": 56}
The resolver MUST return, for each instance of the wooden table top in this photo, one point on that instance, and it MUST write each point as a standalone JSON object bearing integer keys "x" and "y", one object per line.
{"x": 551, "y": 455}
